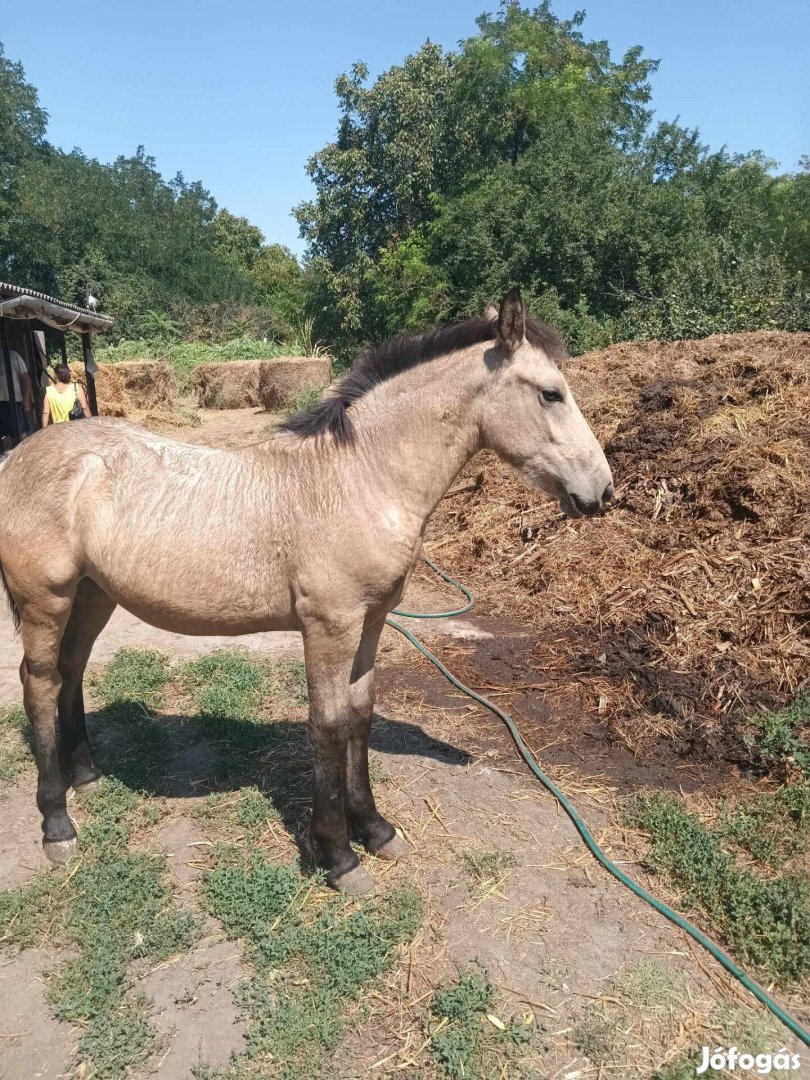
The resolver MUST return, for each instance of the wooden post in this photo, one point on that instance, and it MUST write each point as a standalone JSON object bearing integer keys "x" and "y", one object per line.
{"x": 87, "y": 352}
{"x": 35, "y": 372}
{"x": 15, "y": 420}
{"x": 63, "y": 347}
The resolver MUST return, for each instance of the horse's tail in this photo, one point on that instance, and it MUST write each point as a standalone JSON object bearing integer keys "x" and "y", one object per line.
{"x": 15, "y": 611}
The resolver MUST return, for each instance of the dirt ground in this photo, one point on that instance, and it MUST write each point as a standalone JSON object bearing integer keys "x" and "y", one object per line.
{"x": 554, "y": 932}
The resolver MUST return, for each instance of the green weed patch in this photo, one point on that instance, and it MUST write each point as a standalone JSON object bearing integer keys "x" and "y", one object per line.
{"x": 111, "y": 907}
{"x": 467, "y": 1041}
{"x": 225, "y": 684}
{"x": 313, "y": 954}
{"x": 783, "y": 737}
{"x": 766, "y": 921}
{"x": 774, "y": 826}
{"x": 138, "y": 675}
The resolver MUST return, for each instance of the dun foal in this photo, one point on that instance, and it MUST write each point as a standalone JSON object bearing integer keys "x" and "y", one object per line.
{"x": 317, "y": 529}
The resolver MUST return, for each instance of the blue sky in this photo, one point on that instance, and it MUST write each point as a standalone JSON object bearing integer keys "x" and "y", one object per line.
{"x": 239, "y": 93}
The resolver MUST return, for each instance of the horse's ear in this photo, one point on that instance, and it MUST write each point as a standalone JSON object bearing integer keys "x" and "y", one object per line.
{"x": 490, "y": 313}
{"x": 511, "y": 322}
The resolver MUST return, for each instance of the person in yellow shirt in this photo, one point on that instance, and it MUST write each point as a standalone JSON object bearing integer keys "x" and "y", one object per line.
{"x": 63, "y": 397}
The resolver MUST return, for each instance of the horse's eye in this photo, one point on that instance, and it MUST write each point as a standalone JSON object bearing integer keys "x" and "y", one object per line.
{"x": 550, "y": 397}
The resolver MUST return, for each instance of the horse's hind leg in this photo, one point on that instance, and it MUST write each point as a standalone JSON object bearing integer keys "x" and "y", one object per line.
{"x": 378, "y": 835}
{"x": 91, "y": 612}
{"x": 42, "y": 625}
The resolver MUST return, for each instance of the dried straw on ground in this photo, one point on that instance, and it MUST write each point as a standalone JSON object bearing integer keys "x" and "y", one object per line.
{"x": 686, "y": 607}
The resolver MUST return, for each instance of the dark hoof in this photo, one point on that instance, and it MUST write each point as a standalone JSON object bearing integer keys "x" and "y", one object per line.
{"x": 393, "y": 849}
{"x": 60, "y": 852}
{"x": 355, "y": 882}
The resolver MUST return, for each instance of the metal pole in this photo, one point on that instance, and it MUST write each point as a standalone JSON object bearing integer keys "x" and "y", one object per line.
{"x": 87, "y": 351}
{"x": 15, "y": 420}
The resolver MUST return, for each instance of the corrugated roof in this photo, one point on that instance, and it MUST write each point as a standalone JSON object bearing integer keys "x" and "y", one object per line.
{"x": 9, "y": 291}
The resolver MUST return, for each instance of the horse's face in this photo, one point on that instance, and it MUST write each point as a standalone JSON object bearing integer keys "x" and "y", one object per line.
{"x": 530, "y": 419}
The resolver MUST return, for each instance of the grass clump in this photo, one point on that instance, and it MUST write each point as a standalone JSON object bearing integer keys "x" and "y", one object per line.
{"x": 289, "y": 682}
{"x": 246, "y": 811}
{"x": 225, "y": 684}
{"x": 774, "y": 826}
{"x": 135, "y": 747}
{"x": 134, "y": 675}
{"x": 111, "y": 908}
{"x": 135, "y": 743}
{"x": 305, "y": 399}
{"x": 766, "y": 921}
{"x": 488, "y": 866}
{"x": 780, "y": 738}
{"x": 15, "y": 750}
{"x": 648, "y": 982}
{"x": 595, "y": 1036}
{"x": 313, "y": 954}
{"x": 467, "y": 1041}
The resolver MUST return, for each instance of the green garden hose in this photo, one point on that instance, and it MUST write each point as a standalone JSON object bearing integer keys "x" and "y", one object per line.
{"x": 579, "y": 824}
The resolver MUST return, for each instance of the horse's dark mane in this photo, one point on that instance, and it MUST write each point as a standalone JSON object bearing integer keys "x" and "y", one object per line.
{"x": 331, "y": 415}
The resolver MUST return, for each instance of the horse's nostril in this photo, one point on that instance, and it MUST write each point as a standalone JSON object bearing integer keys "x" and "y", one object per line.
{"x": 608, "y": 493}
{"x": 584, "y": 506}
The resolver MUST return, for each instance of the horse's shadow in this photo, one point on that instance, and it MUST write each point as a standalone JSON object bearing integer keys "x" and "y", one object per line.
{"x": 191, "y": 757}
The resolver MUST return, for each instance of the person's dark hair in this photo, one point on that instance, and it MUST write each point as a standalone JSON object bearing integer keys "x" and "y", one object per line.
{"x": 62, "y": 373}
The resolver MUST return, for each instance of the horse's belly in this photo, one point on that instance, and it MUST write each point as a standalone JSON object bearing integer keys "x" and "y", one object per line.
{"x": 202, "y": 605}
{"x": 200, "y": 624}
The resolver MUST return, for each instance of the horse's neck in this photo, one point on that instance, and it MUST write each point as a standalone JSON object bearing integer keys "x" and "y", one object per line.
{"x": 417, "y": 432}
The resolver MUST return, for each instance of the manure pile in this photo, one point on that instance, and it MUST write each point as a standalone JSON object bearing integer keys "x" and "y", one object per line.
{"x": 685, "y": 609}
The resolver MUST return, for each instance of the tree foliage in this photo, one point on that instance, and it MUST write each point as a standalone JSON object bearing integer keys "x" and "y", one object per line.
{"x": 528, "y": 156}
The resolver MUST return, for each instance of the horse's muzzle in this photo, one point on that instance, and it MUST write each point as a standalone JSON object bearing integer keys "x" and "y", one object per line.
{"x": 575, "y": 506}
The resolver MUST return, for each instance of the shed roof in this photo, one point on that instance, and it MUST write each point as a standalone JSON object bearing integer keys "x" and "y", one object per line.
{"x": 18, "y": 302}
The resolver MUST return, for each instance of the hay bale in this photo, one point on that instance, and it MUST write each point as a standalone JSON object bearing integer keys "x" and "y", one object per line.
{"x": 233, "y": 384}
{"x": 272, "y": 383}
{"x": 131, "y": 386}
{"x": 281, "y": 381}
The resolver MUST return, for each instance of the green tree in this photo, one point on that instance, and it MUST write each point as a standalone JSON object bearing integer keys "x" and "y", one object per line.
{"x": 236, "y": 241}
{"x": 22, "y": 133}
{"x": 527, "y": 156}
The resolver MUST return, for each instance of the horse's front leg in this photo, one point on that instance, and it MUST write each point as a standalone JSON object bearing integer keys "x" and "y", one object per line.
{"x": 378, "y": 835}
{"x": 330, "y": 651}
